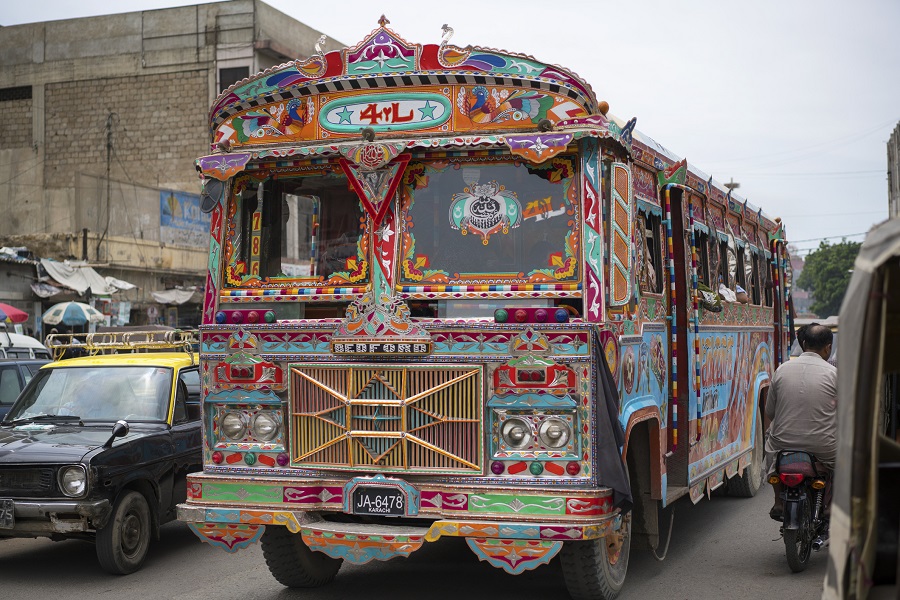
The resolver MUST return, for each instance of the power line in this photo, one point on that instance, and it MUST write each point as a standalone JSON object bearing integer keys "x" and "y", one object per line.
{"x": 849, "y": 214}
{"x": 850, "y": 137}
{"x": 831, "y": 237}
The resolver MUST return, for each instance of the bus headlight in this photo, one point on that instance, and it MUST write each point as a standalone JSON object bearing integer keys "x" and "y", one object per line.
{"x": 264, "y": 426}
{"x": 516, "y": 432}
{"x": 554, "y": 433}
{"x": 73, "y": 480}
{"x": 233, "y": 426}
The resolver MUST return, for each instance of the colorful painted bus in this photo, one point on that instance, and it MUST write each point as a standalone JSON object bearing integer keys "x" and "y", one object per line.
{"x": 450, "y": 295}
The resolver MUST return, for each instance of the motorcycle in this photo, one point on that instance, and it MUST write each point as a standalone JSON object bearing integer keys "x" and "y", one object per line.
{"x": 804, "y": 526}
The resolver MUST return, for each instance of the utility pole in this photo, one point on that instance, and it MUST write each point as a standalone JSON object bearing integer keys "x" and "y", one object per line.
{"x": 732, "y": 185}
{"x": 109, "y": 143}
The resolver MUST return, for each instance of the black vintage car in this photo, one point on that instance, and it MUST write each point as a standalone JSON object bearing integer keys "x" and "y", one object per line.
{"x": 99, "y": 448}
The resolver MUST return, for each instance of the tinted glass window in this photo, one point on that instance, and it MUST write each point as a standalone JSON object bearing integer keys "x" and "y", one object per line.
{"x": 192, "y": 380}
{"x": 31, "y": 370}
{"x": 10, "y": 385}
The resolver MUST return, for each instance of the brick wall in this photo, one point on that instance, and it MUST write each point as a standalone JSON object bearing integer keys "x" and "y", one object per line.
{"x": 161, "y": 129}
{"x": 15, "y": 126}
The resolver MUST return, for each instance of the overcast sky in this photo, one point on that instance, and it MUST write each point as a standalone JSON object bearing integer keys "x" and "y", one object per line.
{"x": 793, "y": 99}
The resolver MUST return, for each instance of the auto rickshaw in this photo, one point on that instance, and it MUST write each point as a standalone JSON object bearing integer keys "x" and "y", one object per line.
{"x": 865, "y": 516}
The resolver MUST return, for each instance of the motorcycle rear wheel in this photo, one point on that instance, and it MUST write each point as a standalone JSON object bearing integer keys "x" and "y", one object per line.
{"x": 798, "y": 542}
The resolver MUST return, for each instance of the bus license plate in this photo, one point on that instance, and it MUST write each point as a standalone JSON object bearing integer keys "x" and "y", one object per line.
{"x": 379, "y": 501}
{"x": 7, "y": 513}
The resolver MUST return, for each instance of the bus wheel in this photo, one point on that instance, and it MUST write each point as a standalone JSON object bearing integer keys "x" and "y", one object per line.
{"x": 595, "y": 569}
{"x": 292, "y": 563}
{"x": 748, "y": 483}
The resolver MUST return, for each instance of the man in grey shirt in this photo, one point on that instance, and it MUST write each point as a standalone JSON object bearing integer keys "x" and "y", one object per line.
{"x": 801, "y": 405}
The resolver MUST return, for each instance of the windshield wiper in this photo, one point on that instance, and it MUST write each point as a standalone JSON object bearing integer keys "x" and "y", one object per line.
{"x": 43, "y": 417}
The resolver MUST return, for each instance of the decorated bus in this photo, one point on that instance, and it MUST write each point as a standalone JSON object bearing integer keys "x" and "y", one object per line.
{"x": 450, "y": 295}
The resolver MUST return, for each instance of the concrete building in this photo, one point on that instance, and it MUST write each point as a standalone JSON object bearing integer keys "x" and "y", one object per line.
{"x": 893, "y": 171}
{"x": 102, "y": 119}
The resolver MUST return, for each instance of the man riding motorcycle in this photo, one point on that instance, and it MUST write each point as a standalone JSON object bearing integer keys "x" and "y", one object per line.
{"x": 801, "y": 406}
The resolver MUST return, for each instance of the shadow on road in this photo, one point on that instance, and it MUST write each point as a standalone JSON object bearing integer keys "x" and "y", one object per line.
{"x": 719, "y": 548}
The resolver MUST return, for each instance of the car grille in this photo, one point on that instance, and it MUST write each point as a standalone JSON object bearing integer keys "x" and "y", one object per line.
{"x": 25, "y": 482}
{"x": 408, "y": 418}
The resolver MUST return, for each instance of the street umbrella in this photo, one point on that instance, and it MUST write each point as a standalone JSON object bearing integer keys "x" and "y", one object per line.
{"x": 11, "y": 314}
{"x": 72, "y": 313}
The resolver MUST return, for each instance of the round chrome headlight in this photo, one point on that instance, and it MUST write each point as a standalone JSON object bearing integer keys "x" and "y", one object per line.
{"x": 554, "y": 433}
{"x": 233, "y": 426}
{"x": 264, "y": 426}
{"x": 73, "y": 480}
{"x": 516, "y": 432}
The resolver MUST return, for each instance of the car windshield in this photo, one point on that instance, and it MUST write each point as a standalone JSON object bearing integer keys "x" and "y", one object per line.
{"x": 97, "y": 394}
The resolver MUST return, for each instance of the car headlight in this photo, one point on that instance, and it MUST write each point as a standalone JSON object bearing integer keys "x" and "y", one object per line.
{"x": 554, "y": 433}
{"x": 264, "y": 426}
{"x": 516, "y": 432}
{"x": 73, "y": 480}
{"x": 233, "y": 426}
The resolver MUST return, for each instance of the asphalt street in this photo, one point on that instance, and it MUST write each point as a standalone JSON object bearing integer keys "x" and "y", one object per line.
{"x": 720, "y": 548}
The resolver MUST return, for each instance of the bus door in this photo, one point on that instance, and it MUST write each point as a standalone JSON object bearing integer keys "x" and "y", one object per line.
{"x": 678, "y": 262}
{"x": 783, "y": 304}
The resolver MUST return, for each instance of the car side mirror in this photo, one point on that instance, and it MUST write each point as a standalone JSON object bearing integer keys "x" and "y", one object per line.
{"x": 120, "y": 429}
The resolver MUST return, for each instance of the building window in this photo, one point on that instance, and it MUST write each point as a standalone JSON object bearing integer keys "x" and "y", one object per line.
{"x": 15, "y": 93}
{"x": 231, "y": 75}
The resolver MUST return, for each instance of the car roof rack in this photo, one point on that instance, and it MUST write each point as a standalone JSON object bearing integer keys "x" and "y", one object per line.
{"x": 117, "y": 342}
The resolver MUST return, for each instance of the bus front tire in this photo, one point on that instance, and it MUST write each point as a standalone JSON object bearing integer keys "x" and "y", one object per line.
{"x": 292, "y": 563}
{"x": 595, "y": 569}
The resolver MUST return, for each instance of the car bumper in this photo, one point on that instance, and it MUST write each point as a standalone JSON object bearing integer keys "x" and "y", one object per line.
{"x": 514, "y": 529}
{"x": 47, "y": 518}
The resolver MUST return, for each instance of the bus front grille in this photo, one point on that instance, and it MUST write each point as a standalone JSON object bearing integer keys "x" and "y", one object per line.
{"x": 409, "y": 418}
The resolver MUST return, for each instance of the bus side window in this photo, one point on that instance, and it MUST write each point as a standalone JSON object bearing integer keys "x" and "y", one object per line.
{"x": 755, "y": 291}
{"x": 739, "y": 277}
{"x": 723, "y": 264}
{"x": 768, "y": 282}
{"x": 651, "y": 275}
{"x": 701, "y": 240}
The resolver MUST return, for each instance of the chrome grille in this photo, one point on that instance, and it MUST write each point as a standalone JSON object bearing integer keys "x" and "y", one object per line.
{"x": 400, "y": 418}
{"x": 25, "y": 481}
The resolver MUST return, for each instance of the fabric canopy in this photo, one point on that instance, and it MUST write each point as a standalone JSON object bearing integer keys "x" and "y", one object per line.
{"x": 173, "y": 296}
{"x": 82, "y": 278}
{"x": 44, "y": 290}
{"x": 119, "y": 285}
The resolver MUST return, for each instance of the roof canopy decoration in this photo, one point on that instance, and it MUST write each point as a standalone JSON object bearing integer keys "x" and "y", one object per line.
{"x": 394, "y": 88}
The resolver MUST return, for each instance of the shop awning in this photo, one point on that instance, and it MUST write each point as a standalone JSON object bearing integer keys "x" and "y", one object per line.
{"x": 82, "y": 278}
{"x": 173, "y": 296}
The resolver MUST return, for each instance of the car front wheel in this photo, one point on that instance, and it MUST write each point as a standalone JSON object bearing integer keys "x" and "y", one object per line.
{"x": 123, "y": 543}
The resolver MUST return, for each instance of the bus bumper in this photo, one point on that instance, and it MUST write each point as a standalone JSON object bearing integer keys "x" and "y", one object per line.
{"x": 513, "y": 529}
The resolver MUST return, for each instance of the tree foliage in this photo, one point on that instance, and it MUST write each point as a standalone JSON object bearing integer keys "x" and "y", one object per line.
{"x": 826, "y": 274}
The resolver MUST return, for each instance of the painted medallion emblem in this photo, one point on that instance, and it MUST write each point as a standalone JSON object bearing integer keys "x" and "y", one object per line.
{"x": 485, "y": 209}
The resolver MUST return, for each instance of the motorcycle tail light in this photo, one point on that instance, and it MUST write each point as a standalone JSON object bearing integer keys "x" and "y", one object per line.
{"x": 818, "y": 484}
{"x": 773, "y": 479}
{"x": 791, "y": 479}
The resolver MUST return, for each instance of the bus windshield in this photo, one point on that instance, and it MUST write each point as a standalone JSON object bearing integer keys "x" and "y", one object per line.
{"x": 513, "y": 220}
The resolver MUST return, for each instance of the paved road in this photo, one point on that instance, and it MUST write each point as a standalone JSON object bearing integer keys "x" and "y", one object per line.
{"x": 722, "y": 548}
